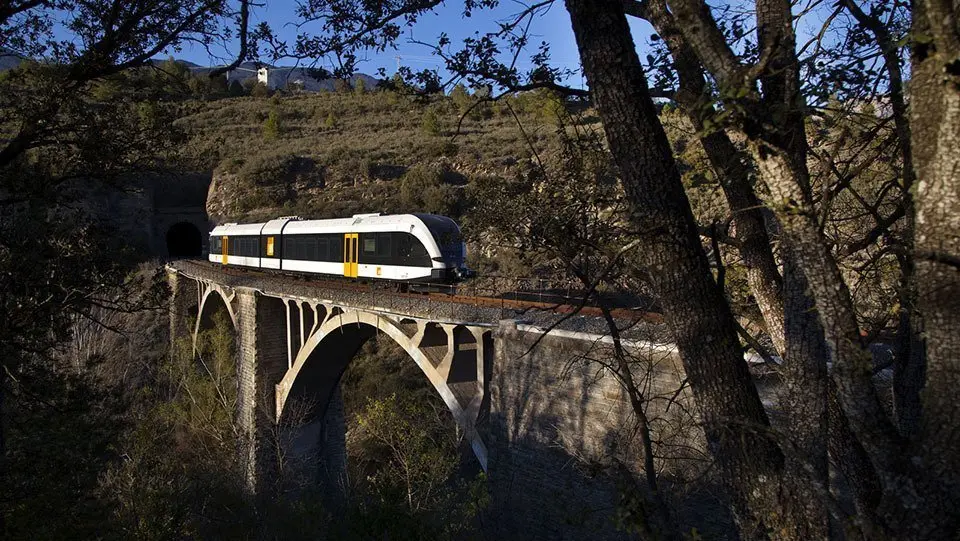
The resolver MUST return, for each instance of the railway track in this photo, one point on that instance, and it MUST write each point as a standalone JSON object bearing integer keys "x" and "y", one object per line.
{"x": 469, "y": 294}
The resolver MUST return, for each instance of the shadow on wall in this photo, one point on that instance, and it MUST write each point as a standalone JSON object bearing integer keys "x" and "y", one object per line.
{"x": 184, "y": 240}
{"x": 565, "y": 456}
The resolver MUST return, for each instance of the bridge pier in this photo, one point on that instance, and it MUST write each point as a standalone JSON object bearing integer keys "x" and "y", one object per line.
{"x": 261, "y": 363}
{"x": 184, "y": 295}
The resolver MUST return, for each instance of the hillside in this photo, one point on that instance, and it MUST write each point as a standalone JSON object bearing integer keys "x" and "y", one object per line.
{"x": 331, "y": 154}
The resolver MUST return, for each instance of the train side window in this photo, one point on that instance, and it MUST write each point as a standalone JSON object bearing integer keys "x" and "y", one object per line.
{"x": 336, "y": 248}
{"x": 369, "y": 244}
{"x": 323, "y": 249}
{"x": 418, "y": 254}
{"x": 310, "y": 248}
{"x": 383, "y": 245}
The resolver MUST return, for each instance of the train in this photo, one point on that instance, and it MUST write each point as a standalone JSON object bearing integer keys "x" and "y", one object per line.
{"x": 405, "y": 248}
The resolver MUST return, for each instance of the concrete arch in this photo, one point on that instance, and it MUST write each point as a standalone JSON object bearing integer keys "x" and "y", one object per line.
{"x": 375, "y": 323}
{"x": 206, "y": 303}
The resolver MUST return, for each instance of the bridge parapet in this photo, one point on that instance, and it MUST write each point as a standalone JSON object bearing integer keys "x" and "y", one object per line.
{"x": 443, "y": 308}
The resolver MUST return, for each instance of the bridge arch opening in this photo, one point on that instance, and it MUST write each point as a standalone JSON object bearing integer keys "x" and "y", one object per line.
{"x": 184, "y": 240}
{"x": 353, "y": 362}
{"x": 213, "y": 307}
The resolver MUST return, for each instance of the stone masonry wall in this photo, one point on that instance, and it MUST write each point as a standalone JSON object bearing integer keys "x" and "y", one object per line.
{"x": 558, "y": 427}
{"x": 183, "y": 297}
{"x": 261, "y": 364}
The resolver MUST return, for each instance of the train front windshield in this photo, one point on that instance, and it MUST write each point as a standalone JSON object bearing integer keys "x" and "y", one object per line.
{"x": 448, "y": 237}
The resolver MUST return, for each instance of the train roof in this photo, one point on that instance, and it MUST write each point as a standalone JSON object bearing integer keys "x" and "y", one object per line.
{"x": 358, "y": 223}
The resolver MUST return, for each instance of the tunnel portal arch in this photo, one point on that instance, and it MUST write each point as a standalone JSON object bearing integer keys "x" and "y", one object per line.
{"x": 184, "y": 240}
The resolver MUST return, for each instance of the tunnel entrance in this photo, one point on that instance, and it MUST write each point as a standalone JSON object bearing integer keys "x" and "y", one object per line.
{"x": 184, "y": 240}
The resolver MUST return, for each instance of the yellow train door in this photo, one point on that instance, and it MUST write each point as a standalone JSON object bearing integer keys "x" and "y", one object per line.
{"x": 225, "y": 252}
{"x": 351, "y": 249}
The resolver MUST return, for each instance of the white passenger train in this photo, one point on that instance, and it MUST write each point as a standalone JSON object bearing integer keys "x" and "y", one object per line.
{"x": 400, "y": 247}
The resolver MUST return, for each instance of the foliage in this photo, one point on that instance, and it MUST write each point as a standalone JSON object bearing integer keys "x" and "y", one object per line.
{"x": 66, "y": 412}
{"x": 330, "y": 122}
{"x": 272, "y": 126}
{"x": 568, "y": 214}
{"x": 430, "y": 123}
{"x": 423, "y": 189}
{"x": 260, "y": 90}
{"x": 180, "y": 468}
{"x": 383, "y": 387}
{"x": 461, "y": 98}
{"x": 62, "y": 428}
{"x": 415, "y": 461}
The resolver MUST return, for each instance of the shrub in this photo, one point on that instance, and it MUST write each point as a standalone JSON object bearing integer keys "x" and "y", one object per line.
{"x": 260, "y": 90}
{"x": 330, "y": 122}
{"x": 359, "y": 86}
{"x": 423, "y": 189}
{"x": 441, "y": 149}
{"x": 430, "y": 123}
{"x": 273, "y": 125}
{"x": 461, "y": 98}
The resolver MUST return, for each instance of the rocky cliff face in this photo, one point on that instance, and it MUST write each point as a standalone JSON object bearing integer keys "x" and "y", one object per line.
{"x": 239, "y": 188}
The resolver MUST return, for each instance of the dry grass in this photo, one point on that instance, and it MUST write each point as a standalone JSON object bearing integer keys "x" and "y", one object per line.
{"x": 377, "y": 127}
{"x": 361, "y": 147}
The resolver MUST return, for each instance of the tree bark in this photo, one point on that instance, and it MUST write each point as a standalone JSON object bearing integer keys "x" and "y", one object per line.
{"x": 785, "y": 303}
{"x": 3, "y": 435}
{"x": 730, "y": 165}
{"x": 803, "y": 399}
{"x": 736, "y": 426}
{"x": 935, "y": 125}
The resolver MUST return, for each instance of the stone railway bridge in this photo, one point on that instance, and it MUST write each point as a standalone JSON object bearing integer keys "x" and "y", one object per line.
{"x": 546, "y": 423}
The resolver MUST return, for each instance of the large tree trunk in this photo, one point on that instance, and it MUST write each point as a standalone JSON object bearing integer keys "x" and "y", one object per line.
{"x": 774, "y": 125}
{"x": 734, "y": 420}
{"x": 935, "y": 123}
{"x": 732, "y": 169}
{"x": 3, "y": 434}
{"x": 785, "y": 303}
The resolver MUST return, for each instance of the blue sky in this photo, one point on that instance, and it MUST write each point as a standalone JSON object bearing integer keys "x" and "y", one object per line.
{"x": 553, "y": 27}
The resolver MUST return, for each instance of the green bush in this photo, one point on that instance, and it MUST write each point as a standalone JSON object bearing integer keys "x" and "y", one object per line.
{"x": 330, "y": 122}
{"x": 461, "y": 98}
{"x": 441, "y": 149}
{"x": 430, "y": 123}
{"x": 273, "y": 126}
{"x": 423, "y": 190}
{"x": 260, "y": 90}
